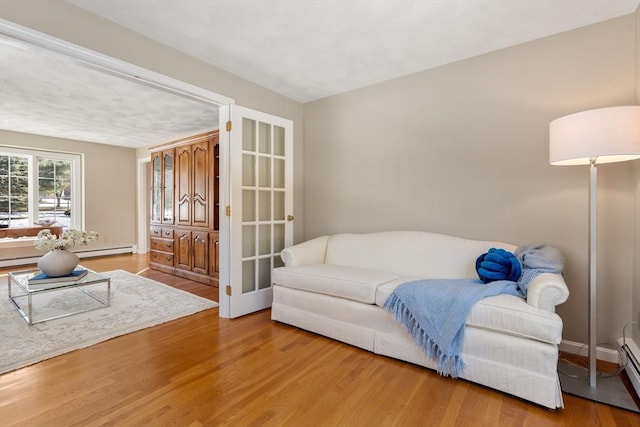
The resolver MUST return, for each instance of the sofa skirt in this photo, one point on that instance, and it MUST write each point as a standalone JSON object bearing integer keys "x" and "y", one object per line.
{"x": 518, "y": 366}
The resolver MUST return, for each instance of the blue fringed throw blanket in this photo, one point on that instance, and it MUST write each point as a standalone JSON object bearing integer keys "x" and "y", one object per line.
{"x": 434, "y": 310}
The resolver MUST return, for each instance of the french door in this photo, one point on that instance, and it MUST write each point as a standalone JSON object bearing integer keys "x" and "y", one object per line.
{"x": 256, "y": 205}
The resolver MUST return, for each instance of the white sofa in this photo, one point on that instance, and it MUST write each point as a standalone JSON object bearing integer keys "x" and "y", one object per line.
{"x": 336, "y": 286}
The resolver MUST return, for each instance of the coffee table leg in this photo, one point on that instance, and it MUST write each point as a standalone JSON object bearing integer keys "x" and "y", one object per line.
{"x": 30, "y": 309}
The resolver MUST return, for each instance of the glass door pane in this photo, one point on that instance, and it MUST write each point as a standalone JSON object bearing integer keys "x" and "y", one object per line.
{"x": 167, "y": 212}
{"x": 251, "y": 169}
{"x": 156, "y": 189}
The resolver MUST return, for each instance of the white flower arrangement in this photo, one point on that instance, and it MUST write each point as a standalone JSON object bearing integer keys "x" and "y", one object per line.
{"x": 67, "y": 240}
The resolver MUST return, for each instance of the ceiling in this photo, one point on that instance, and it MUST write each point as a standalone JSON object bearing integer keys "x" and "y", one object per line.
{"x": 48, "y": 94}
{"x": 310, "y": 49}
{"x": 303, "y": 49}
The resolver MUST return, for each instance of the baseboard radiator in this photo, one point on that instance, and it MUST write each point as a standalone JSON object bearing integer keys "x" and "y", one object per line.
{"x": 632, "y": 352}
{"x": 10, "y": 262}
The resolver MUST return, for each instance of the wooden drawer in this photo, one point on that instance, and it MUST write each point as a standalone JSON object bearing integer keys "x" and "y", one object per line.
{"x": 155, "y": 232}
{"x": 162, "y": 244}
{"x": 162, "y": 258}
{"x": 167, "y": 233}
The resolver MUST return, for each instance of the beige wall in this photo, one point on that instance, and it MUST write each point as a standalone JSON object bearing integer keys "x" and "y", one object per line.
{"x": 67, "y": 22}
{"x": 110, "y": 192}
{"x": 463, "y": 149}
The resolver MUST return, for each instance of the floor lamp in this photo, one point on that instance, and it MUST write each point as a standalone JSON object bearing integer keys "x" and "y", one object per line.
{"x": 593, "y": 137}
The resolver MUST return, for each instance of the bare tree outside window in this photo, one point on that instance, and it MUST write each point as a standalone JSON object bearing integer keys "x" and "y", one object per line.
{"x": 54, "y": 190}
{"x": 14, "y": 191}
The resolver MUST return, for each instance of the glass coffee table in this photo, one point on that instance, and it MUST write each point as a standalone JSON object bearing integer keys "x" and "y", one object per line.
{"x": 47, "y": 301}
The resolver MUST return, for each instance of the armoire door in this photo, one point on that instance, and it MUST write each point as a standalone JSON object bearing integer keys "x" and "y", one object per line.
{"x": 183, "y": 254}
{"x": 200, "y": 178}
{"x": 183, "y": 185}
{"x": 200, "y": 251}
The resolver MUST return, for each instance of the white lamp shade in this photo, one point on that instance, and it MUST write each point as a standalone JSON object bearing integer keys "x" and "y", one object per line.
{"x": 606, "y": 135}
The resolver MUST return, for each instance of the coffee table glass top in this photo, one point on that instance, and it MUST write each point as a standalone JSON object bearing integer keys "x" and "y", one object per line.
{"x": 73, "y": 296}
{"x": 21, "y": 278}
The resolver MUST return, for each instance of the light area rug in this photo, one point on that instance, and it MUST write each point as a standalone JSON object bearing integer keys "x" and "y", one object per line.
{"x": 136, "y": 303}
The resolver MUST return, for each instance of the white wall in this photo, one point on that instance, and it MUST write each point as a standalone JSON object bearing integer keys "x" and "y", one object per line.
{"x": 463, "y": 149}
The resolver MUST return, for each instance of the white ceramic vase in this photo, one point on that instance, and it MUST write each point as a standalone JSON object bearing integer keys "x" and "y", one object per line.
{"x": 58, "y": 263}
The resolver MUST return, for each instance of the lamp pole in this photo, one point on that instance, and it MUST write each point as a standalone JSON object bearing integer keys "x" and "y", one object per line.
{"x": 593, "y": 209}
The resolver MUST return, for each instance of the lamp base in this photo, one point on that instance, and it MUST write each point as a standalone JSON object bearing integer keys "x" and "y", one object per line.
{"x": 609, "y": 390}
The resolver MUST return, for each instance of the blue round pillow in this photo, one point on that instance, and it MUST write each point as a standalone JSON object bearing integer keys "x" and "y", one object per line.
{"x": 498, "y": 264}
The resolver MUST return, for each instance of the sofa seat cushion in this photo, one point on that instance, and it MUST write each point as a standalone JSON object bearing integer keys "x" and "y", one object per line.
{"x": 357, "y": 284}
{"x": 506, "y": 314}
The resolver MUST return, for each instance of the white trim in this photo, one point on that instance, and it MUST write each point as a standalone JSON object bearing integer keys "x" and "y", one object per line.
{"x": 225, "y": 221}
{"x": 602, "y": 353}
{"x": 111, "y": 65}
{"x": 141, "y": 206}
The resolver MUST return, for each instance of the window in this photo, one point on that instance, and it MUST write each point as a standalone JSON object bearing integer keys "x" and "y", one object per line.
{"x": 39, "y": 186}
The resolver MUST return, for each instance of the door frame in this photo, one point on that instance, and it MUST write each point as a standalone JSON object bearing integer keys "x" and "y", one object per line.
{"x": 142, "y": 205}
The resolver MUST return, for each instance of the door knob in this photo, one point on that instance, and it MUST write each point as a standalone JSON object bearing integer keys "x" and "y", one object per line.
{"x": 289, "y": 217}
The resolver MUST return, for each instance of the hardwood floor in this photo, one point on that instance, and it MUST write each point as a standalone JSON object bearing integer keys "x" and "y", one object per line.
{"x": 205, "y": 371}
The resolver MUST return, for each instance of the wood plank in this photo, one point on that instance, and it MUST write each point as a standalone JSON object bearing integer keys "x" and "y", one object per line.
{"x": 202, "y": 370}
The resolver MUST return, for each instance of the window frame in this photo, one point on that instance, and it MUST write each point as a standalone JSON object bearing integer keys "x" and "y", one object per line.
{"x": 77, "y": 180}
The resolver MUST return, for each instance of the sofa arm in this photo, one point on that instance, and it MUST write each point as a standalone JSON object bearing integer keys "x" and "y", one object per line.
{"x": 546, "y": 291}
{"x": 309, "y": 252}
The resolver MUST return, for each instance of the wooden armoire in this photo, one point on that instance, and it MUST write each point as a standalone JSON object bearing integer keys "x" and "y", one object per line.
{"x": 185, "y": 208}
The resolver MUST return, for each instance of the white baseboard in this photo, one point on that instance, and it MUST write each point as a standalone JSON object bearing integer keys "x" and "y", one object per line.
{"x": 10, "y": 262}
{"x": 602, "y": 353}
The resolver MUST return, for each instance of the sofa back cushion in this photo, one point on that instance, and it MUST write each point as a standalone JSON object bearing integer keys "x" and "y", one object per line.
{"x": 410, "y": 253}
